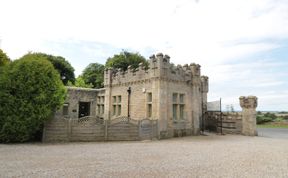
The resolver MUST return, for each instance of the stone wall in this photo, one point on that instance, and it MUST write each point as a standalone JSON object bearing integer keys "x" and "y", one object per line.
{"x": 76, "y": 95}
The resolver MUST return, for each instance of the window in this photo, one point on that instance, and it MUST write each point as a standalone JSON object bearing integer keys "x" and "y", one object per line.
{"x": 100, "y": 105}
{"x": 175, "y": 96}
{"x": 149, "y": 105}
{"x": 102, "y": 109}
{"x": 149, "y": 97}
{"x": 117, "y": 105}
{"x": 181, "y": 106}
{"x": 119, "y": 110}
{"x": 175, "y": 111}
{"x": 114, "y": 109}
{"x": 65, "y": 109}
{"x": 149, "y": 110}
{"x": 181, "y": 98}
{"x": 178, "y": 106}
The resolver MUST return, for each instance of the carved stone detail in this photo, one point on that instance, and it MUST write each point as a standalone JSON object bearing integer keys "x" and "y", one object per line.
{"x": 248, "y": 102}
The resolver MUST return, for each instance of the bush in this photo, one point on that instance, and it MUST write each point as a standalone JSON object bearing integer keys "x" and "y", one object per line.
{"x": 30, "y": 90}
{"x": 271, "y": 115}
{"x": 263, "y": 119}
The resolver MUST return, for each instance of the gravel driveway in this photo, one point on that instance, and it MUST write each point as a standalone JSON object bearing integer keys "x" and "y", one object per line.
{"x": 197, "y": 156}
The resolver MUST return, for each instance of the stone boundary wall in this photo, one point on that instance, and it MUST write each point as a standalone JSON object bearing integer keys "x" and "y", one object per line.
{"x": 96, "y": 129}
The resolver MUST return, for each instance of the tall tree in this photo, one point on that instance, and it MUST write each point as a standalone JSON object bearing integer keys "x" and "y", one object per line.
{"x": 125, "y": 59}
{"x": 4, "y": 59}
{"x": 79, "y": 82}
{"x": 64, "y": 68}
{"x": 30, "y": 90}
{"x": 94, "y": 74}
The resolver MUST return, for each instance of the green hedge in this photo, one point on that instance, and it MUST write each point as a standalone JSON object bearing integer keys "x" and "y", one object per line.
{"x": 30, "y": 90}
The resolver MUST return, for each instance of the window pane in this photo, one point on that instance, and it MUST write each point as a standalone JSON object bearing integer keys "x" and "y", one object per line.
{"x": 182, "y": 111}
{"x": 65, "y": 109}
{"x": 119, "y": 99}
{"x": 174, "y": 97}
{"x": 181, "y": 98}
{"x": 174, "y": 111}
{"x": 102, "y": 109}
{"x": 99, "y": 109}
{"x": 119, "y": 110}
{"x": 149, "y": 97}
{"x": 114, "y": 109}
{"x": 149, "y": 110}
{"x": 114, "y": 99}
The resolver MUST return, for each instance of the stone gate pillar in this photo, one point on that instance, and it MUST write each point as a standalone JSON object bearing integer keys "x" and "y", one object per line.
{"x": 248, "y": 105}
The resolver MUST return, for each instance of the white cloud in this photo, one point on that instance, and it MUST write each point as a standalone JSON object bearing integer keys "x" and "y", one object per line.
{"x": 211, "y": 33}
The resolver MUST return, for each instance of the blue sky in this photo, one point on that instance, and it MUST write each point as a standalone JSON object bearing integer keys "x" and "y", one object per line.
{"x": 240, "y": 44}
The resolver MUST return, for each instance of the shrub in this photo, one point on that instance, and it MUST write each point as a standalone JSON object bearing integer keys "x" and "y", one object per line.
{"x": 271, "y": 115}
{"x": 263, "y": 119}
{"x": 30, "y": 90}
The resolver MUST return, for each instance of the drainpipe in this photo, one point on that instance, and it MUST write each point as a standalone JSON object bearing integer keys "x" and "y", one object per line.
{"x": 129, "y": 94}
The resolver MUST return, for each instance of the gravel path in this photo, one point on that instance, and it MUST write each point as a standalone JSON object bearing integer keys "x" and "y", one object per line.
{"x": 201, "y": 156}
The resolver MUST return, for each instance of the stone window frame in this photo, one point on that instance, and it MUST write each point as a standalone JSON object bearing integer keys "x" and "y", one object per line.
{"x": 100, "y": 105}
{"x": 149, "y": 99}
{"x": 116, "y": 105}
{"x": 178, "y": 106}
{"x": 65, "y": 110}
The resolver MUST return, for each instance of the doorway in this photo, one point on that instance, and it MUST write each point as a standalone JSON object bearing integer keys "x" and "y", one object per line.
{"x": 84, "y": 109}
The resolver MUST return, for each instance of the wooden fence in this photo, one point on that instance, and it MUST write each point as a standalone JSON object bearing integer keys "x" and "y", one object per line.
{"x": 96, "y": 129}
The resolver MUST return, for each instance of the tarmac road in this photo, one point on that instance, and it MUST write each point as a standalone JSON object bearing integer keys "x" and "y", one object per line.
{"x": 273, "y": 132}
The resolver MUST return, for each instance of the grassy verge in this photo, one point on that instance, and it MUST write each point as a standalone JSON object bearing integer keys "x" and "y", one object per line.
{"x": 272, "y": 126}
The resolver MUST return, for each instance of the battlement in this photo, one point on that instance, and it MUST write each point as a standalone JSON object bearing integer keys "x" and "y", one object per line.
{"x": 159, "y": 68}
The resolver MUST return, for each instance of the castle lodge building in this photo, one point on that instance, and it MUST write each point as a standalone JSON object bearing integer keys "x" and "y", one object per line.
{"x": 174, "y": 96}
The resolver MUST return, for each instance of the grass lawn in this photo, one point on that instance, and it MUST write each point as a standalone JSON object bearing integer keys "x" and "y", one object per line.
{"x": 272, "y": 125}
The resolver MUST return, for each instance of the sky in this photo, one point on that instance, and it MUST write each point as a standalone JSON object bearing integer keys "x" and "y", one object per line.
{"x": 241, "y": 45}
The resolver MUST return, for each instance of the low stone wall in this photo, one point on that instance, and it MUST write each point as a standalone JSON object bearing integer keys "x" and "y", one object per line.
{"x": 96, "y": 129}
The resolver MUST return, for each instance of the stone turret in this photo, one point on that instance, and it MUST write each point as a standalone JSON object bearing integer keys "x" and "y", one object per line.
{"x": 204, "y": 90}
{"x": 249, "y": 105}
{"x": 107, "y": 76}
{"x": 204, "y": 84}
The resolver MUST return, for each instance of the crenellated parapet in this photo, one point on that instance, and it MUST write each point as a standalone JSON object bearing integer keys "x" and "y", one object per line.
{"x": 159, "y": 68}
